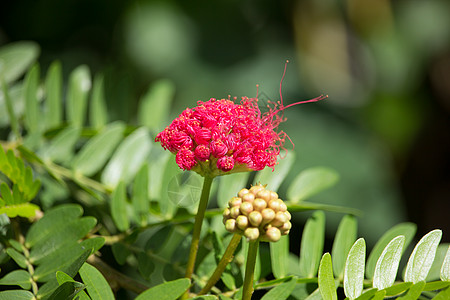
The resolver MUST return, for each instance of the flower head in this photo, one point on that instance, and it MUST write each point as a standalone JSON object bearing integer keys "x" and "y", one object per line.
{"x": 220, "y": 136}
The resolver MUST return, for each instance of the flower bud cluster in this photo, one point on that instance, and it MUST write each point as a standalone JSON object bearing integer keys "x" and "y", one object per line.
{"x": 257, "y": 213}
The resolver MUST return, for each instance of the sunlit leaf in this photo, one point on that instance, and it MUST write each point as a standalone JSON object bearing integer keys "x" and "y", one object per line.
{"x": 61, "y": 148}
{"x": 16, "y": 295}
{"x": 354, "y": 270}
{"x": 406, "y": 229}
{"x": 422, "y": 257}
{"x": 414, "y": 291}
{"x": 311, "y": 247}
{"x": 387, "y": 265}
{"x": 326, "y": 279}
{"x": 32, "y": 113}
{"x": 445, "y": 270}
{"x": 311, "y": 181}
{"x": 436, "y": 267}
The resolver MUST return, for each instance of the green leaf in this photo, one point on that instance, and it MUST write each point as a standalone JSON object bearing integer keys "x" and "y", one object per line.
{"x": 94, "y": 243}
{"x": 58, "y": 260}
{"x": 155, "y": 104}
{"x": 167, "y": 291}
{"x": 14, "y": 123}
{"x": 398, "y": 288}
{"x": 67, "y": 291}
{"x": 98, "y": 113}
{"x": 422, "y": 257}
{"x": 145, "y": 265}
{"x": 128, "y": 158}
{"x": 140, "y": 198}
{"x": 18, "y": 277}
{"x": 53, "y": 89}
{"x": 51, "y": 223}
{"x": 282, "y": 291}
{"x": 406, "y": 229}
{"x": 16, "y": 58}
{"x": 368, "y": 294}
{"x": 32, "y": 114}
{"x": 119, "y": 207}
{"x": 326, "y": 279}
{"x": 354, "y": 270}
{"x": 274, "y": 178}
{"x": 229, "y": 187}
{"x": 17, "y": 257}
{"x": 61, "y": 148}
{"x": 445, "y": 270}
{"x": 435, "y": 285}
{"x": 443, "y": 295}
{"x": 436, "y": 267}
{"x": 79, "y": 86}
{"x": 120, "y": 252}
{"x": 311, "y": 247}
{"x": 72, "y": 231}
{"x": 414, "y": 291}
{"x": 71, "y": 270}
{"x": 208, "y": 297}
{"x": 310, "y": 182}
{"x": 96, "y": 285}
{"x": 279, "y": 252}
{"x": 16, "y": 295}
{"x": 345, "y": 237}
{"x": 379, "y": 295}
{"x": 97, "y": 151}
{"x": 25, "y": 210}
{"x": 387, "y": 265}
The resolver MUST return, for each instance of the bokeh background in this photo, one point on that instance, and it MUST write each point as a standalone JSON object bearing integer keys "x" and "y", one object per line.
{"x": 385, "y": 65}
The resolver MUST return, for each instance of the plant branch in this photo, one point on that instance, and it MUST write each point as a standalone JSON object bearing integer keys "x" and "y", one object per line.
{"x": 197, "y": 228}
{"x": 226, "y": 259}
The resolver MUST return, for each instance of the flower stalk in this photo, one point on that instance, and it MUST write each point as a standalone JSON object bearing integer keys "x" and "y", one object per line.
{"x": 250, "y": 269}
{"x": 225, "y": 260}
{"x": 198, "y": 227}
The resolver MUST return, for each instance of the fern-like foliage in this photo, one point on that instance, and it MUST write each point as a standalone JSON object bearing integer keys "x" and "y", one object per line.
{"x": 15, "y": 200}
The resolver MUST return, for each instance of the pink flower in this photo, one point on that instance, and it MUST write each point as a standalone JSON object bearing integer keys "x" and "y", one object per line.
{"x": 220, "y": 137}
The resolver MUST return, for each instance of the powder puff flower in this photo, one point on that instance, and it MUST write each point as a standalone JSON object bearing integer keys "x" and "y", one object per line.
{"x": 221, "y": 137}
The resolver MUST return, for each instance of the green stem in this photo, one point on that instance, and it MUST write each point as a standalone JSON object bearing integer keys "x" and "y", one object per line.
{"x": 250, "y": 270}
{"x": 226, "y": 259}
{"x": 198, "y": 227}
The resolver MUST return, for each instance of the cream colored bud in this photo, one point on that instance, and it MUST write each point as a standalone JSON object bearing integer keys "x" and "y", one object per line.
{"x": 283, "y": 206}
{"x": 286, "y": 226}
{"x": 242, "y": 222}
{"x": 288, "y": 214}
{"x": 280, "y": 219}
{"x": 285, "y": 232}
{"x": 235, "y": 211}
{"x": 243, "y": 192}
{"x": 255, "y": 218}
{"x": 248, "y": 197}
{"x": 274, "y": 204}
{"x": 264, "y": 194}
{"x": 259, "y": 204}
{"x": 230, "y": 225}
{"x": 252, "y": 233}
{"x": 226, "y": 212}
{"x": 273, "y": 234}
{"x": 256, "y": 188}
{"x": 273, "y": 195}
{"x": 246, "y": 208}
{"x": 235, "y": 201}
{"x": 268, "y": 215}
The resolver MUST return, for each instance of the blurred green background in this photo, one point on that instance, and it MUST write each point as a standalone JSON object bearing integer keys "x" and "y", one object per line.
{"x": 384, "y": 64}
